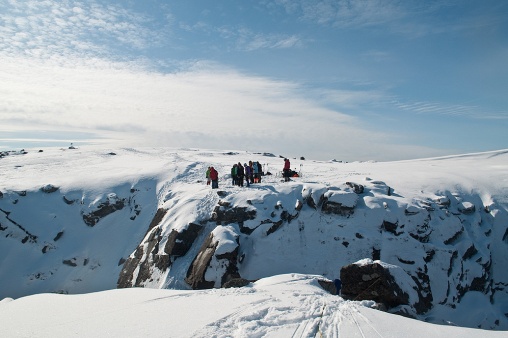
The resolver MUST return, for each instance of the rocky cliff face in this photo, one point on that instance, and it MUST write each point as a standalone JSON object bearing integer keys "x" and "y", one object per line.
{"x": 446, "y": 245}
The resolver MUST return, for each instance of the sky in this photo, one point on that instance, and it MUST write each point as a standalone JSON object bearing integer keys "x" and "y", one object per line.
{"x": 345, "y": 79}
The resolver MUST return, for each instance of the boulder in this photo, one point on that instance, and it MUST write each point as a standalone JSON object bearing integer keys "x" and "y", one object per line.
{"x": 467, "y": 208}
{"x": 357, "y": 188}
{"x": 49, "y": 188}
{"x": 339, "y": 202}
{"x": 236, "y": 283}
{"x": 383, "y": 283}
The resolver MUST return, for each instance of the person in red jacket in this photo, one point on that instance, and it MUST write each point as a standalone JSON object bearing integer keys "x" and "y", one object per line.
{"x": 214, "y": 176}
{"x": 287, "y": 170}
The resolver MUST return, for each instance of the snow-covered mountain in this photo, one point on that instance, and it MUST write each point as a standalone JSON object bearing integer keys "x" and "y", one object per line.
{"x": 90, "y": 219}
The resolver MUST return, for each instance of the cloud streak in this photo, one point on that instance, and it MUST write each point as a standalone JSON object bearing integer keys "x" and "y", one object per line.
{"x": 206, "y": 106}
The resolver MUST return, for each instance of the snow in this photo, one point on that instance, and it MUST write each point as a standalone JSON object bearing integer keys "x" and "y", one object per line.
{"x": 281, "y": 306}
{"x": 286, "y": 299}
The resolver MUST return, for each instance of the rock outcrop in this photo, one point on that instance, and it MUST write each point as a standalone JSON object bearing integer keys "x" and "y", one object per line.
{"x": 215, "y": 264}
{"x": 383, "y": 283}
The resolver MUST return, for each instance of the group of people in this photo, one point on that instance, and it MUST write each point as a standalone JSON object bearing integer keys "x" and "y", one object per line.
{"x": 251, "y": 172}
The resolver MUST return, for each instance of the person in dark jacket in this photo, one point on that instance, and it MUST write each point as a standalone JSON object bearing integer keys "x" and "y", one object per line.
{"x": 338, "y": 286}
{"x": 234, "y": 172}
{"x": 248, "y": 173}
{"x": 240, "y": 173}
{"x": 214, "y": 176}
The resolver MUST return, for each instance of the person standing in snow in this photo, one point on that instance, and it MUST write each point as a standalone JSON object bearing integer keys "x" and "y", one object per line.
{"x": 240, "y": 173}
{"x": 286, "y": 170}
{"x": 251, "y": 176}
{"x": 214, "y": 176}
{"x": 247, "y": 174}
{"x": 255, "y": 172}
{"x": 208, "y": 176}
{"x": 234, "y": 173}
{"x": 338, "y": 286}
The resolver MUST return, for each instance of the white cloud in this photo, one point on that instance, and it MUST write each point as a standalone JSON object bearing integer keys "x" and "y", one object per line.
{"x": 206, "y": 106}
{"x": 48, "y": 28}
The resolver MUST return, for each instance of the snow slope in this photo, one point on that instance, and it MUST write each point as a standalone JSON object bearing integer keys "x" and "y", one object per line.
{"x": 48, "y": 247}
{"x": 280, "y": 306}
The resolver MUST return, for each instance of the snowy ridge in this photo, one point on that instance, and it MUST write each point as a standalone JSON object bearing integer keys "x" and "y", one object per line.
{"x": 73, "y": 220}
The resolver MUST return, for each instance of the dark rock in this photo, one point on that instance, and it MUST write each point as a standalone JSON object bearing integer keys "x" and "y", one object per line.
{"x": 21, "y": 193}
{"x": 48, "y": 189}
{"x": 405, "y": 261}
{"x": 357, "y": 188}
{"x": 236, "y": 283}
{"x": 391, "y": 227}
{"x": 68, "y": 202}
{"x": 424, "y": 289}
{"x": 373, "y": 281}
{"x": 429, "y": 256}
{"x": 70, "y": 262}
{"x": 121, "y": 261}
{"x": 179, "y": 243}
{"x": 275, "y": 226}
{"x": 161, "y": 262}
{"x": 1, "y": 195}
{"x": 376, "y": 254}
{"x": 222, "y": 193}
{"x": 58, "y": 236}
{"x": 104, "y": 209}
{"x": 467, "y": 208}
{"x": 125, "y": 279}
{"x": 336, "y": 208}
{"x": 224, "y": 215}
{"x": 470, "y": 252}
{"x": 358, "y": 235}
{"x": 310, "y": 202}
{"x": 196, "y": 272}
{"x": 454, "y": 238}
{"x": 299, "y": 205}
{"x": 328, "y": 285}
{"x": 443, "y": 202}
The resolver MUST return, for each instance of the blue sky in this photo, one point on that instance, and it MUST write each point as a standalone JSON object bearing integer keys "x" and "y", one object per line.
{"x": 350, "y": 80}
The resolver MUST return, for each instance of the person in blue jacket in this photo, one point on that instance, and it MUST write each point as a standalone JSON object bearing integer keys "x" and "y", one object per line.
{"x": 338, "y": 286}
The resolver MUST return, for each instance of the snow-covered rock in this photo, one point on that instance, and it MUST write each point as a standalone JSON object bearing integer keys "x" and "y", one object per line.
{"x": 146, "y": 218}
